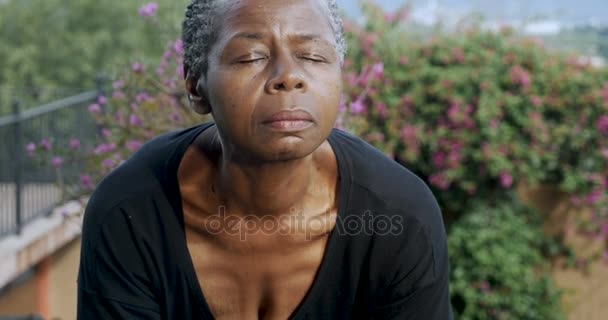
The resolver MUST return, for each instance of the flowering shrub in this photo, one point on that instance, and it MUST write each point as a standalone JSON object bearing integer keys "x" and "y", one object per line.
{"x": 478, "y": 113}
{"x": 144, "y": 103}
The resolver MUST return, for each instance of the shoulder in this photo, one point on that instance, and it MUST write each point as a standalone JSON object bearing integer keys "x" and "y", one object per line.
{"x": 395, "y": 188}
{"x": 151, "y": 166}
{"x": 394, "y": 195}
{"x": 140, "y": 181}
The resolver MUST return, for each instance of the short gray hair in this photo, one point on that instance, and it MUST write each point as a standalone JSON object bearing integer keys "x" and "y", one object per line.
{"x": 199, "y": 32}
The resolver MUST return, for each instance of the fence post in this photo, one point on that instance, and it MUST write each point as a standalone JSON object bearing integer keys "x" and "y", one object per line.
{"x": 17, "y": 151}
{"x": 100, "y": 82}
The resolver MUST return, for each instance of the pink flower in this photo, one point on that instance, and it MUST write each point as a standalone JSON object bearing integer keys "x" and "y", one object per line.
{"x": 108, "y": 163}
{"x": 118, "y": 95}
{"x": 390, "y": 17}
{"x": 133, "y": 145}
{"x": 454, "y": 112}
{"x": 95, "y": 108}
{"x": 382, "y": 110}
{"x": 409, "y": 133}
{"x": 118, "y": 84}
{"x": 602, "y": 124}
{"x": 46, "y": 144}
{"x": 520, "y": 76}
{"x": 594, "y": 197}
{"x": 30, "y": 148}
{"x": 134, "y": 120}
{"x": 537, "y": 101}
{"x": 74, "y": 143}
{"x": 458, "y": 55}
{"x": 364, "y": 78}
{"x": 352, "y": 79}
{"x": 536, "y": 117}
{"x": 178, "y": 46}
{"x": 57, "y": 161}
{"x": 102, "y": 100}
{"x": 86, "y": 181}
{"x": 148, "y": 10}
{"x": 605, "y": 153}
{"x": 506, "y": 180}
{"x": 576, "y": 201}
{"x": 142, "y": 97}
{"x": 175, "y": 117}
{"x": 180, "y": 70}
{"x": 168, "y": 55}
{"x": 439, "y": 159}
{"x": 404, "y": 61}
{"x": 357, "y": 107}
{"x": 138, "y": 67}
{"x": 440, "y": 181}
{"x": 106, "y": 132}
{"x": 164, "y": 64}
{"x": 378, "y": 70}
{"x": 454, "y": 158}
{"x": 104, "y": 148}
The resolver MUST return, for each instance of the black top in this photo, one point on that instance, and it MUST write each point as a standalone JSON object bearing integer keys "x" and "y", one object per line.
{"x": 386, "y": 258}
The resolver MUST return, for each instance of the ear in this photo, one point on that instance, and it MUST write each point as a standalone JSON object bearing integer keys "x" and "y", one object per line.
{"x": 196, "y": 93}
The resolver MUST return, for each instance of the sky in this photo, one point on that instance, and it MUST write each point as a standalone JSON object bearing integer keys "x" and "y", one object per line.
{"x": 574, "y": 11}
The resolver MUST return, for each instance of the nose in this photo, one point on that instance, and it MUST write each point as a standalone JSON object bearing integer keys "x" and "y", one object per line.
{"x": 286, "y": 77}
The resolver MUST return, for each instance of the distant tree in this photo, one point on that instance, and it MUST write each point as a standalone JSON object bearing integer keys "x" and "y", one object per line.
{"x": 65, "y": 44}
{"x": 603, "y": 46}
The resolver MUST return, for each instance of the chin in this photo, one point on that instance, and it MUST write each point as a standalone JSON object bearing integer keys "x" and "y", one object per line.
{"x": 290, "y": 148}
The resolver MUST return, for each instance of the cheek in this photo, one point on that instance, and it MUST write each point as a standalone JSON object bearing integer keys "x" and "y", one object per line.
{"x": 231, "y": 95}
{"x": 331, "y": 92}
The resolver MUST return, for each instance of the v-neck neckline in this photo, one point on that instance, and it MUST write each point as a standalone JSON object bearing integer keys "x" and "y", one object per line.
{"x": 333, "y": 243}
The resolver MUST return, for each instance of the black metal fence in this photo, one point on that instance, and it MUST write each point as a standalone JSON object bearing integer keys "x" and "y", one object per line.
{"x": 28, "y": 188}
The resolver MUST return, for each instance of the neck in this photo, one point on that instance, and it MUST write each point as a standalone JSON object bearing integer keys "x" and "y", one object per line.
{"x": 264, "y": 188}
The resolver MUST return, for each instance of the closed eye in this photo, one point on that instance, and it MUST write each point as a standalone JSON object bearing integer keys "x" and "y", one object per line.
{"x": 313, "y": 58}
{"x": 246, "y": 61}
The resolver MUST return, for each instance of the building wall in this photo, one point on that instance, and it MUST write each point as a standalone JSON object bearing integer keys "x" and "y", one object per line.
{"x": 20, "y": 298}
{"x": 62, "y": 284}
{"x": 56, "y": 276}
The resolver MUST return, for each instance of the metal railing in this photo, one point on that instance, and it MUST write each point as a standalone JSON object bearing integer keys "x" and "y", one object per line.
{"x": 28, "y": 190}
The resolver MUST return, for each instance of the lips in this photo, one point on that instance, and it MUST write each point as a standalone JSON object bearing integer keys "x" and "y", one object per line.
{"x": 289, "y": 121}
{"x": 296, "y": 115}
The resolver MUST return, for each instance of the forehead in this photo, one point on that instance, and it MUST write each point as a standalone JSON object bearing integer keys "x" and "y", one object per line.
{"x": 284, "y": 16}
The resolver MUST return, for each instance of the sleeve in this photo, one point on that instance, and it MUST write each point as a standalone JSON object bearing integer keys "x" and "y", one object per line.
{"x": 417, "y": 284}
{"x": 113, "y": 279}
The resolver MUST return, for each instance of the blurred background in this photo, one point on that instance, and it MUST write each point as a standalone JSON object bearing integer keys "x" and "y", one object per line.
{"x": 500, "y": 106}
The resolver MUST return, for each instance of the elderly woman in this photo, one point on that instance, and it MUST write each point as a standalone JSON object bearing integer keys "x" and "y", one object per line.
{"x": 269, "y": 212}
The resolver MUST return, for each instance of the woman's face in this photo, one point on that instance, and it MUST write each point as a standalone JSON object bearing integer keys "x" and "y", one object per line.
{"x": 274, "y": 79}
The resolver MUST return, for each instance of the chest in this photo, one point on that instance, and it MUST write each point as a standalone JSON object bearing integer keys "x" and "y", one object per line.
{"x": 257, "y": 275}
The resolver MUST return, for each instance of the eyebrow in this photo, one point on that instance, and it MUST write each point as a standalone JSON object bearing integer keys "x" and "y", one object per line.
{"x": 300, "y": 37}
{"x": 249, "y": 35}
